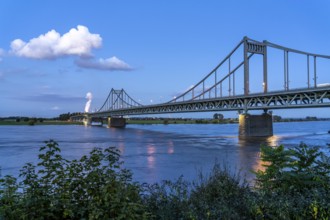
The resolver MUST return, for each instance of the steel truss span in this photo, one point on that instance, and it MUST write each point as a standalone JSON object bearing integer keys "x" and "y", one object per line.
{"x": 312, "y": 98}
{"x": 217, "y": 91}
{"x": 118, "y": 99}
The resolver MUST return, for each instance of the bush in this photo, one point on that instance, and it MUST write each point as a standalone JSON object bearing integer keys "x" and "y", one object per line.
{"x": 295, "y": 184}
{"x": 94, "y": 187}
{"x": 218, "y": 196}
{"x": 167, "y": 200}
{"x": 221, "y": 195}
{"x": 31, "y": 122}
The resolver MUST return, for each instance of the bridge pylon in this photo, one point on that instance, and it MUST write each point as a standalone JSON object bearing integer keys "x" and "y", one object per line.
{"x": 254, "y": 47}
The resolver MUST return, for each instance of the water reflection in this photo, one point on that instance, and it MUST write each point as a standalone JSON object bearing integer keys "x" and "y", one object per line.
{"x": 170, "y": 147}
{"x": 151, "y": 150}
{"x": 249, "y": 152}
{"x": 155, "y": 153}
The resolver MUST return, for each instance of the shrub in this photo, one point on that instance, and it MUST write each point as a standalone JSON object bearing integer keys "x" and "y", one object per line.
{"x": 295, "y": 184}
{"x": 221, "y": 195}
{"x": 31, "y": 122}
{"x": 94, "y": 187}
{"x": 167, "y": 200}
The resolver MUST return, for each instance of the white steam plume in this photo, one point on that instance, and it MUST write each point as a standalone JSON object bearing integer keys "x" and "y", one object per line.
{"x": 89, "y": 97}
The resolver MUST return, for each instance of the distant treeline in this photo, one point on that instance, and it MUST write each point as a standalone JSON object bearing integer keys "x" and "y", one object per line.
{"x": 217, "y": 118}
{"x": 277, "y": 118}
{"x": 61, "y": 117}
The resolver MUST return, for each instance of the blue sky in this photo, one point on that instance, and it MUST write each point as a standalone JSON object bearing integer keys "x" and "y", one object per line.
{"x": 52, "y": 54}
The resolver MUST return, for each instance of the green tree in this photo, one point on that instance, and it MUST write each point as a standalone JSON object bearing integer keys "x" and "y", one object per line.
{"x": 295, "y": 183}
{"x": 218, "y": 116}
{"x": 277, "y": 118}
{"x": 94, "y": 187}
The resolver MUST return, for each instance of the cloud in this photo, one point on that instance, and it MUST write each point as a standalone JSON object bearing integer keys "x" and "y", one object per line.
{"x": 109, "y": 64}
{"x": 78, "y": 41}
{"x": 55, "y": 108}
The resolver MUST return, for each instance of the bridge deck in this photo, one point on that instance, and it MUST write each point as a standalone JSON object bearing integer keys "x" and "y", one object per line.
{"x": 299, "y": 98}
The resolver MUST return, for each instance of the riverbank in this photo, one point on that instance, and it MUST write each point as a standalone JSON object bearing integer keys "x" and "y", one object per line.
{"x": 51, "y": 122}
{"x": 180, "y": 121}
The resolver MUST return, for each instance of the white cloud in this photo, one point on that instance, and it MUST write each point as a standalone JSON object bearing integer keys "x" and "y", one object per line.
{"x": 109, "y": 64}
{"x": 78, "y": 41}
{"x": 55, "y": 108}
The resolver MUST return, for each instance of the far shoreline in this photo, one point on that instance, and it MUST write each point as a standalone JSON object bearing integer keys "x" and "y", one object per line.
{"x": 151, "y": 121}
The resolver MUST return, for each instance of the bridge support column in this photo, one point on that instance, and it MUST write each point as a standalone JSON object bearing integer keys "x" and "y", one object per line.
{"x": 255, "y": 125}
{"x": 87, "y": 121}
{"x": 116, "y": 122}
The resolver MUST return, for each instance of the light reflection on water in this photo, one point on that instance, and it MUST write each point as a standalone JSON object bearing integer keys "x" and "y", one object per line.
{"x": 158, "y": 152}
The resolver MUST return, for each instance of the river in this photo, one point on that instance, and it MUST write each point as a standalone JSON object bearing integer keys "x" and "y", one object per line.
{"x": 158, "y": 152}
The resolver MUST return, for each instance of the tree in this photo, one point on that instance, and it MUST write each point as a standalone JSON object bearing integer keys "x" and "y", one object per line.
{"x": 218, "y": 116}
{"x": 94, "y": 187}
{"x": 277, "y": 118}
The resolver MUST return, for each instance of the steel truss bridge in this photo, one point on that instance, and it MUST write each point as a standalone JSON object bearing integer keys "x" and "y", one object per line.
{"x": 217, "y": 91}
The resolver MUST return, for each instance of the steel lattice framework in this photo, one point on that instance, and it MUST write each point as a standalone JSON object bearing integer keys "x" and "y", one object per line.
{"x": 202, "y": 98}
{"x": 310, "y": 98}
{"x": 118, "y": 99}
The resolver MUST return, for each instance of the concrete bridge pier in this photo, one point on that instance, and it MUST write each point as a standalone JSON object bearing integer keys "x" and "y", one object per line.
{"x": 255, "y": 125}
{"x": 114, "y": 122}
{"x": 87, "y": 121}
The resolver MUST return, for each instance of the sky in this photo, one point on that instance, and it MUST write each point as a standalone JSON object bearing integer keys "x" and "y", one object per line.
{"x": 56, "y": 56}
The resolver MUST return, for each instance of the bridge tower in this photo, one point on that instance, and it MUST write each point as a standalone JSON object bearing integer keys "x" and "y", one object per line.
{"x": 254, "y": 47}
{"x": 254, "y": 125}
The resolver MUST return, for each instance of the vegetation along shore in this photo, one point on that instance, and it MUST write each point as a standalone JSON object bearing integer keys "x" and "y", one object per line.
{"x": 294, "y": 185}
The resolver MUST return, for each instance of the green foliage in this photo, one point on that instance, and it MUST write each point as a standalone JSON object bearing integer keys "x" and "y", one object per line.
{"x": 218, "y": 116}
{"x": 168, "y": 200}
{"x": 218, "y": 196}
{"x": 299, "y": 169}
{"x": 94, "y": 187}
{"x": 66, "y": 116}
{"x": 295, "y": 183}
{"x": 221, "y": 195}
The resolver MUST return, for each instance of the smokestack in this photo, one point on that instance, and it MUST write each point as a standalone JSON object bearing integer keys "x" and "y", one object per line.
{"x": 89, "y": 97}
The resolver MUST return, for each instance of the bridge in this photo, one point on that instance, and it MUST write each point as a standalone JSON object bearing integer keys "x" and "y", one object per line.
{"x": 228, "y": 88}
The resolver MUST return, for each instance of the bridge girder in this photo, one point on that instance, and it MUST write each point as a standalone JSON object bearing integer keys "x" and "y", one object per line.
{"x": 311, "y": 98}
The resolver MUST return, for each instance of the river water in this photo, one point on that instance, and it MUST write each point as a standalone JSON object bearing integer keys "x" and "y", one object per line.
{"x": 158, "y": 152}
